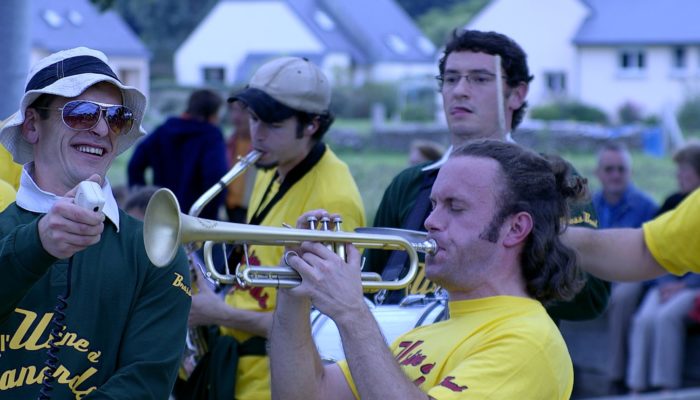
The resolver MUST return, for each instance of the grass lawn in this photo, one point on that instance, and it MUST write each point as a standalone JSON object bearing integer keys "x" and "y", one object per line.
{"x": 373, "y": 172}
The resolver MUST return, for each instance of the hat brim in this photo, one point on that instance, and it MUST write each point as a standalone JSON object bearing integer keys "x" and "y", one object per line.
{"x": 263, "y": 105}
{"x": 71, "y": 86}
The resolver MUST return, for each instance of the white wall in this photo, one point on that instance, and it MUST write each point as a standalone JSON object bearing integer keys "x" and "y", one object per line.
{"x": 140, "y": 64}
{"x": 234, "y": 29}
{"x": 659, "y": 87}
{"x": 544, "y": 29}
{"x": 393, "y": 71}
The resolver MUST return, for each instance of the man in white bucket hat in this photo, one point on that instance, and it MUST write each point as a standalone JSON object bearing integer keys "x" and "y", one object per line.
{"x": 82, "y": 310}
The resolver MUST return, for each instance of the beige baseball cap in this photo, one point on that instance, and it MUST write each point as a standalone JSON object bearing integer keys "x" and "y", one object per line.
{"x": 284, "y": 86}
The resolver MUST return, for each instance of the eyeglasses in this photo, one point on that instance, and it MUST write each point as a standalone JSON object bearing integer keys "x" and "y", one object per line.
{"x": 83, "y": 115}
{"x": 474, "y": 79}
{"x": 608, "y": 169}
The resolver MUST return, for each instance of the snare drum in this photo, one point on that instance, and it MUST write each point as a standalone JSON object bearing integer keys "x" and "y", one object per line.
{"x": 394, "y": 320}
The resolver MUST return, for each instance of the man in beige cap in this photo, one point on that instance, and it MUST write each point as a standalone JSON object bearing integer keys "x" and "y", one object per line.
{"x": 288, "y": 103}
{"x": 82, "y": 309}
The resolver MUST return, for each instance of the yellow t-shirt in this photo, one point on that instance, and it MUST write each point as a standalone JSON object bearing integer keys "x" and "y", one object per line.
{"x": 499, "y": 347}
{"x": 673, "y": 239}
{"x": 7, "y": 194}
{"x": 10, "y": 171}
{"x": 328, "y": 185}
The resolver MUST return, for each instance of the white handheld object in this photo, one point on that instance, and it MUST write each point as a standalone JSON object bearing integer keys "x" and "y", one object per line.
{"x": 89, "y": 196}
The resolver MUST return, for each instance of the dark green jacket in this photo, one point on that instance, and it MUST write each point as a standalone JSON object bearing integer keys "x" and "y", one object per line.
{"x": 125, "y": 320}
{"x": 396, "y": 206}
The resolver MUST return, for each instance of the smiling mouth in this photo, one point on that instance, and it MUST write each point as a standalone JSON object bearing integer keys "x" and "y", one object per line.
{"x": 97, "y": 151}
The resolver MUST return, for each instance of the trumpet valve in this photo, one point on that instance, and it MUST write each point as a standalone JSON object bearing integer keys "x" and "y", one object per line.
{"x": 339, "y": 247}
{"x": 311, "y": 220}
{"x": 324, "y": 223}
{"x": 338, "y": 222}
{"x": 324, "y": 227}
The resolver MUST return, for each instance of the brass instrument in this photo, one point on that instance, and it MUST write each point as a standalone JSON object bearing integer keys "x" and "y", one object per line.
{"x": 165, "y": 228}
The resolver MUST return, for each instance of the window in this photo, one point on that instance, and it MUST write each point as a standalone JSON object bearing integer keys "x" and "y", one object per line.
{"x": 53, "y": 19}
{"x": 75, "y": 18}
{"x": 556, "y": 82}
{"x": 396, "y": 44}
{"x": 324, "y": 21}
{"x": 214, "y": 75}
{"x": 130, "y": 76}
{"x": 679, "y": 58}
{"x": 632, "y": 62}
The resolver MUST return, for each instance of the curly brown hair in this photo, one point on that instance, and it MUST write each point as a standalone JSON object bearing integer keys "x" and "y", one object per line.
{"x": 540, "y": 187}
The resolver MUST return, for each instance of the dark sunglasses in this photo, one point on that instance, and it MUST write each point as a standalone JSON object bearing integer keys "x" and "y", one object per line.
{"x": 83, "y": 115}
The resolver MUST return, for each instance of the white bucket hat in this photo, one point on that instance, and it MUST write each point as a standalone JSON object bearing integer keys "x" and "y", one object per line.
{"x": 69, "y": 73}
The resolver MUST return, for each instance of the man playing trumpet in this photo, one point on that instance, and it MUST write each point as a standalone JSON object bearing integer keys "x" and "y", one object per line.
{"x": 497, "y": 211}
{"x": 288, "y": 103}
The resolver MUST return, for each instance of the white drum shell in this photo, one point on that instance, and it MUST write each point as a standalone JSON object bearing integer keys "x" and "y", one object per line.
{"x": 393, "y": 320}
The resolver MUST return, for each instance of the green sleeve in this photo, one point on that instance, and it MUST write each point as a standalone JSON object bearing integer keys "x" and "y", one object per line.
{"x": 22, "y": 257}
{"x": 396, "y": 204}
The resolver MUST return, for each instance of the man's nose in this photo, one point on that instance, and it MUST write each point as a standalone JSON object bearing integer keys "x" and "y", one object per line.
{"x": 102, "y": 127}
{"x": 432, "y": 223}
{"x": 463, "y": 87}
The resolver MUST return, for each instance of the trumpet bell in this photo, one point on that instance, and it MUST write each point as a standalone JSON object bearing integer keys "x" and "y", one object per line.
{"x": 161, "y": 228}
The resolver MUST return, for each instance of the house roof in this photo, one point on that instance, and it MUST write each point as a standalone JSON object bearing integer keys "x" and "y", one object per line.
{"x": 58, "y": 25}
{"x": 333, "y": 38}
{"x": 381, "y": 29}
{"x": 253, "y": 61}
{"x": 369, "y": 30}
{"x": 639, "y": 22}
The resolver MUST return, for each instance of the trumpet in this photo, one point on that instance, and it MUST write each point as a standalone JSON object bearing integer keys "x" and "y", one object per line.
{"x": 165, "y": 228}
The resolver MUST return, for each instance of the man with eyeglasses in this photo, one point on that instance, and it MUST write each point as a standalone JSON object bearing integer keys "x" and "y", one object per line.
{"x": 469, "y": 87}
{"x": 82, "y": 309}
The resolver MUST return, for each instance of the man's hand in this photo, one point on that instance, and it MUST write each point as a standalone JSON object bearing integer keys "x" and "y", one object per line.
{"x": 205, "y": 304}
{"x": 333, "y": 285}
{"x": 68, "y": 228}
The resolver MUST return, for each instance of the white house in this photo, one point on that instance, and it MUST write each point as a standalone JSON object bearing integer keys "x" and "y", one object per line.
{"x": 60, "y": 25}
{"x": 604, "y": 52}
{"x": 354, "y": 42}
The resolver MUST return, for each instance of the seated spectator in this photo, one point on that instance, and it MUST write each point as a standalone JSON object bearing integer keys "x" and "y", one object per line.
{"x": 620, "y": 204}
{"x": 658, "y": 330}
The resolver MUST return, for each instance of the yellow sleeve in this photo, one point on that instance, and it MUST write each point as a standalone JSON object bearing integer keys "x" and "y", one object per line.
{"x": 7, "y": 194}
{"x": 673, "y": 239}
{"x": 10, "y": 171}
{"x": 348, "y": 377}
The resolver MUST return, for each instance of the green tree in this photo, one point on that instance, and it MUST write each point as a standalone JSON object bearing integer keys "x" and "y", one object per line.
{"x": 439, "y": 22}
{"x": 161, "y": 24}
{"x": 416, "y": 8}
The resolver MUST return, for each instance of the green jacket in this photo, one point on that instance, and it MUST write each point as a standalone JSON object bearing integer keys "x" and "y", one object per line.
{"x": 125, "y": 320}
{"x": 396, "y": 206}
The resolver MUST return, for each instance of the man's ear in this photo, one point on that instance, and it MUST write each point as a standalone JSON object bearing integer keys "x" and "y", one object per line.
{"x": 311, "y": 127}
{"x": 29, "y": 126}
{"x": 517, "y": 96}
{"x": 519, "y": 227}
